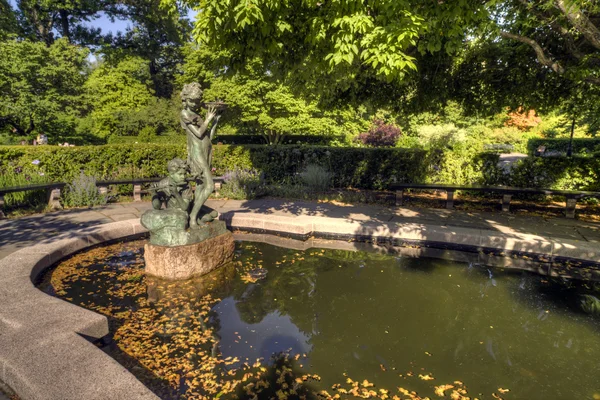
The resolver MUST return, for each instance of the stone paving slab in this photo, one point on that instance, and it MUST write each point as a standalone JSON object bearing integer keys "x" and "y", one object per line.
{"x": 18, "y": 233}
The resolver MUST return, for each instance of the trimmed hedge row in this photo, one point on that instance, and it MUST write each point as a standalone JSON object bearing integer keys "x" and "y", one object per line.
{"x": 363, "y": 168}
{"x": 580, "y": 145}
{"x": 567, "y": 173}
{"x": 229, "y": 139}
{"x": 352, "y": 167}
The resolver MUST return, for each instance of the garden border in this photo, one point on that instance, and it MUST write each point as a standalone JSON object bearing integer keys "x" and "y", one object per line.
{"x": 45, "y": 352}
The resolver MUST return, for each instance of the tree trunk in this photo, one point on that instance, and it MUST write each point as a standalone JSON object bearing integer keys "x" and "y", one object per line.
{"x": 272, "y": 137}
{"x": 64, "y": 21}
{"x": 570, "y": 148}
{"x": 18, "y": 130}
{"x": 155, "y": 79}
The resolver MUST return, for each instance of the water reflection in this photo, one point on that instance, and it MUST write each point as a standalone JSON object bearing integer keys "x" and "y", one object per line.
{"x": 273, "y": 334}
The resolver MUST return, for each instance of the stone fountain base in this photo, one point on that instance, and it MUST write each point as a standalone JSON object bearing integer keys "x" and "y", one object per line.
{"x": 186, "y": 261}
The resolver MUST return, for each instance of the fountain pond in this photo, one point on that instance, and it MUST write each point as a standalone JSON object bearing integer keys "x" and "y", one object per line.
{"x": 325, "y": 323}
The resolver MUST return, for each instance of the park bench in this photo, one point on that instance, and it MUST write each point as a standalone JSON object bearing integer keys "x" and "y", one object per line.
{"x": 507, "y": 192}
{"x": 54, "y": 189}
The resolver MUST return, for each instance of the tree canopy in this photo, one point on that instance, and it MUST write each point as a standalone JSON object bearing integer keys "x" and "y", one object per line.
{"x": 41, "y": 86}
{"x": 295, "y": 66}
{"x": 346, "y": 37}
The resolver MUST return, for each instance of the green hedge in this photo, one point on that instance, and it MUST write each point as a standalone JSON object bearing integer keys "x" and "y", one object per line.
{"x": 364, "y": 168}
{"x": 580, "y": 145}
{"x": 568, "y": 173}
{"x": 166, "y": 139}
{"x": 104, "y": 162}
{"x": 229, "y": 139}
{"x": 356, "y": 167}
{"x": 286, "y": 139}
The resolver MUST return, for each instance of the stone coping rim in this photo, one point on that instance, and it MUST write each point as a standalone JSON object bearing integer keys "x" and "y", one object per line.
{"x": 27, "y": 314}
{"x": 398, "y": 242}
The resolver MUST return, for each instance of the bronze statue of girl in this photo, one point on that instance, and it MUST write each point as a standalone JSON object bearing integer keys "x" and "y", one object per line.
{"x": 199, "y": 147}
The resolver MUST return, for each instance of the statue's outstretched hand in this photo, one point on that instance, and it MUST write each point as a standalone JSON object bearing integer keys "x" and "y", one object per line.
{"x": 212, "y": 112}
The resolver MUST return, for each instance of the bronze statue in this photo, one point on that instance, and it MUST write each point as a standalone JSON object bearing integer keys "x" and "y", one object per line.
{"x": 173, "y": 191}
{"x": 199, "y": 147}
{"x": 185, "y": 243}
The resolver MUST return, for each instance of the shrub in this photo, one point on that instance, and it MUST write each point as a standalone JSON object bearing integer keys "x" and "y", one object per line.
{"x": 380, "y": 135}
{"x": 351, "y": 167}
{"x": 441, "y": 135}
{"x": 17, "y": 177}
{"x": 241, "y": 184}
{"x": 147, "y": 134}
{"x": 580, "y": 145}
{"x": 83, "y": 193}
{"x": 569, "y": 173}
{"x": 523, "y": 120}
{"x": 316, "y": 178}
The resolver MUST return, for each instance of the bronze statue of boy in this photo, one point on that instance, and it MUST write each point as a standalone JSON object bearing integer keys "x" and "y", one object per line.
{"x": 173, "y": 191}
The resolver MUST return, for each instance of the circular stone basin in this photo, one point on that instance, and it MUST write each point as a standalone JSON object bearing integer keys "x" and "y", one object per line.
{"x": 337, "y": 322}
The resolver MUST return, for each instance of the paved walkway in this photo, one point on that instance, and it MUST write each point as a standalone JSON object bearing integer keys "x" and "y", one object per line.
{"x": 20, "y": 233}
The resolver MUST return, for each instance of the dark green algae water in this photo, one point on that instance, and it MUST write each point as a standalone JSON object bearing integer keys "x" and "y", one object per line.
{"x": 379, "y": 317}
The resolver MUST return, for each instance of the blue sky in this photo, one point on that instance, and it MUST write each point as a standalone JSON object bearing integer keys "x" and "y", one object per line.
{"x": 104, "y": 23}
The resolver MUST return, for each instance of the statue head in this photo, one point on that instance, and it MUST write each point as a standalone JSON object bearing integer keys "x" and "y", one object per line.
{"x": 191, "y": 94}
{"x": 177, "y": 169}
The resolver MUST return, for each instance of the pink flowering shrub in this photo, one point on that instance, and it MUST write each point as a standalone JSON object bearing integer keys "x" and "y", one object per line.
{"x": 380, "y": 135}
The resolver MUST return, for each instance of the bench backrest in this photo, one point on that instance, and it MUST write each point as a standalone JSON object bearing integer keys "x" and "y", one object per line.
{"x": 60, "y": 185}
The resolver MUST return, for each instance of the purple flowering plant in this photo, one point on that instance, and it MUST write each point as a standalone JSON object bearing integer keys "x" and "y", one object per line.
{"x": 381, "y": 134}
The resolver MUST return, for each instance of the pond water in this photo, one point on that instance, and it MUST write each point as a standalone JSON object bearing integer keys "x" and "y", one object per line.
{"x": 344, "y": 322}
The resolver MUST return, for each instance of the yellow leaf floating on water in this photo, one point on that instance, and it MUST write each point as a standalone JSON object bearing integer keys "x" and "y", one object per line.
{"x": 507, "y": 390}
{"x": 439, "y": 390}
{"x": 426, "y": 377}
{"x": 367, "y": 384}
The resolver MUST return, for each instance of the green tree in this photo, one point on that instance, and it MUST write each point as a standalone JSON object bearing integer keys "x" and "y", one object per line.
{"x": 40, "y": 86}
{"x": 338, "y": 38}
{"x": 42, "y": 19}
{"x": 114, "y": 90}
{"x": 564, "y": 35}
{"x": 564, "y": 38}
{"x": 265, "y": 104}
{"x": 8, "y": 20}
{"x": 156, "y": 36}
{"x": 158, "y": 117}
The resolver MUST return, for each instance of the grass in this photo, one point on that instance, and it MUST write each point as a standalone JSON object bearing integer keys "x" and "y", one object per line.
{"x": 28, "y": 200}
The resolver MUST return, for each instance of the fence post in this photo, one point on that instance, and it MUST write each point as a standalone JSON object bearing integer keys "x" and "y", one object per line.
{"x": 506, "y": 202}
{"x": 449, "y": 199}
{"x": 137, "y": 192}
{"x": 570, "y": 208}
{"x": 54, "y": 199}
{"x": 2, "y": 215}
{"x": 399, "y": 198}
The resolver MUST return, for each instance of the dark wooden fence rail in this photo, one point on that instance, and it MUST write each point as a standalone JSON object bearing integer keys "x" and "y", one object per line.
{"x": 506, "y": 191}
{"x": 54, "y": 190}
